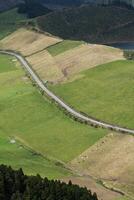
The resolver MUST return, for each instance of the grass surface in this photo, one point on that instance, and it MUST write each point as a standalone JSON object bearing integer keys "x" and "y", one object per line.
{"x": 105, "y": 92}
{"x": 16, "y": 155}
{"x": 10, "y": 21}
{"x": 63, "y": 46}
{"x": 6, "y": 64}
{"x": 39, "y": 124}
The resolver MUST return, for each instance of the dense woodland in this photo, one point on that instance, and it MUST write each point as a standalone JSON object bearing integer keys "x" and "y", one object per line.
{"x": 14, "y": 185}
{"x": 33, "y": 8}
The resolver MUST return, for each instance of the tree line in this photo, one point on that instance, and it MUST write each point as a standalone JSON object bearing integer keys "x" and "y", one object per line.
{"x": 14, "y": 185}
{"x": 33, "y": 8}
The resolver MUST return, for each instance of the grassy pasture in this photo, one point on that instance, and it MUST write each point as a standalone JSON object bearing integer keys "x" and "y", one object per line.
{"x": 37, "y": 123}
{"x": 105, "y": 92}
{"x": 16, "y": 155}
{"x": 10, "y": 21}
{"x": 63, "y": 46}
{"x": 6, "y": 64}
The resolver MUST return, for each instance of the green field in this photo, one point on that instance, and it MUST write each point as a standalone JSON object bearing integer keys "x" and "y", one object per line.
{"x": 7, "y": 63}
{"x": 39, "y": 125}
{"x": 105, "y": 92}
{"x": 16, "y": 155}
{"x": 10, "y": 21}
{"x": 61, "y": 47}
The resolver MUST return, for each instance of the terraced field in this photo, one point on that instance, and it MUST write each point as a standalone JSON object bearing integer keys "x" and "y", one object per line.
{"x": 105, "y": 92}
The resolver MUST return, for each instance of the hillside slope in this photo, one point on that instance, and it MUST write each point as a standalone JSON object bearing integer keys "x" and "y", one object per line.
{"x": 56, "y": 60}
{"x": 116, "y": 167}
{"x": 7, "y": 4}
{"x": 94, "y": 24}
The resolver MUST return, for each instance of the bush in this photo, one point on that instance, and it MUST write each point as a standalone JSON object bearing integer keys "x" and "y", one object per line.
{"x": 129, "y": 55}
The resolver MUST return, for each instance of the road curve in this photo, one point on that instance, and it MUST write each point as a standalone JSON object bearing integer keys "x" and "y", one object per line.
{"x": 70, "y": 110}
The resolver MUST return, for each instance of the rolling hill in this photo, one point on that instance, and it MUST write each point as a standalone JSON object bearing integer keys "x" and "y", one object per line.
{"x": 8, "y": 4}
{"x": 106, "y": 92}
{"x": 92, "y": 24}
{"x": 58, "y": 60}
{"x": 38, "y": 136}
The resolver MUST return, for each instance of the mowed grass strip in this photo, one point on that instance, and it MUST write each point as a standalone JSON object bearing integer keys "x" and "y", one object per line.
{"x": 105, "y": 92}
{"x": 63, "y": 46}
{"x": 39, "y": 124}
{"x": 7, "y": 63}
{"x": 16, "y": 155}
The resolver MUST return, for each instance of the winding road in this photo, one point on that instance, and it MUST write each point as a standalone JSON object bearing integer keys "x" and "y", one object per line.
{"x": 62, "y": 104}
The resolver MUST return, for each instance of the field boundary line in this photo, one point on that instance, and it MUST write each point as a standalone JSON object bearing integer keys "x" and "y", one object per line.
{"x": 75, "y": 114}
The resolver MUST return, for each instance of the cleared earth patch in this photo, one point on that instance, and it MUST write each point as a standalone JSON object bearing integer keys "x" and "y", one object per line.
{"x": 44, "y": 64}
{"x": 84, "y": 57}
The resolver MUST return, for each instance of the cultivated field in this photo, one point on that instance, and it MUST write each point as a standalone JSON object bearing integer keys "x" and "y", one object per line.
{"x": 27, "y": 42}
{"x": 104, "y": 92}
{"x": 56, "y": 60}
{"x": 70, "y": 60}
{"x": 111, "y": 160}
{"x": 44, "y": 64}
{"x": 84, "y": 57}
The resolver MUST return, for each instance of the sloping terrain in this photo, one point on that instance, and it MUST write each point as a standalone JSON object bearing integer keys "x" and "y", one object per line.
{"x": 8, "y": 4}
{"x": 92, "y": 24}
{"x": 28, "y": 42}
{"x": 85, "y": 57}
{"x": 39, "y": 124}
{"x": 111, "y": 160}
{"x": 10, "y": 21}
{"x": 59, "y": 65}
{"x": 104, "y": 92}
{"x": 44, "y": 64}
{"x": 34, "y": 134}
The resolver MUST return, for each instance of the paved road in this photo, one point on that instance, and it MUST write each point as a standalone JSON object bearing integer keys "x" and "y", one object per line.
{"x": 70, "y": 110}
